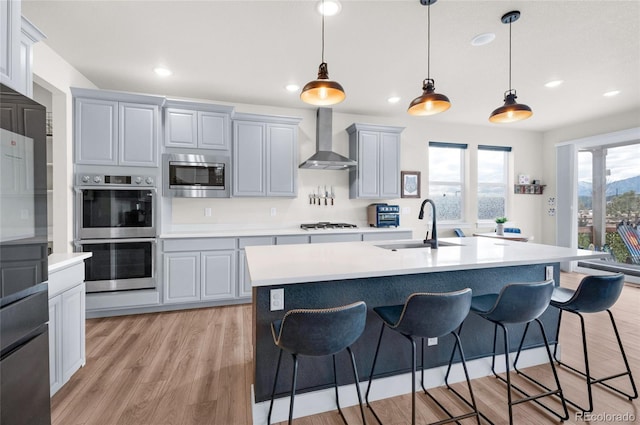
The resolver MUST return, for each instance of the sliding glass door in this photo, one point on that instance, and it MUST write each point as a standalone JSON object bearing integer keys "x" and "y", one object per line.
{"x": 609, "y": 203}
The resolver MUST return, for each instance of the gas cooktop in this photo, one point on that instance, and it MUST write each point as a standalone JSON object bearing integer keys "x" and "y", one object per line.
{"x": 327, "y": 225}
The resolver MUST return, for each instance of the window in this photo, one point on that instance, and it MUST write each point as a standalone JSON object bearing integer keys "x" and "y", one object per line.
{"x": 446, "y": 178}
{"x": 493, "y": 166}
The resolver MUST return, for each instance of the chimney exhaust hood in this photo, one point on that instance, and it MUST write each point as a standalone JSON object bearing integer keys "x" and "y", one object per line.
{"x": 325, "y": 158}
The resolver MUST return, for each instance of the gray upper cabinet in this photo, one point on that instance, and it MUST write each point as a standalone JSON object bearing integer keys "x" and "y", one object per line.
{"x": 377, "y": 151}
{"x": 138, "y": 138}
{"x": 113, "y": 128}
{"x": 10, "y": 43}
{"x": 197, "y": 126}
{"x": 265, "y": 156}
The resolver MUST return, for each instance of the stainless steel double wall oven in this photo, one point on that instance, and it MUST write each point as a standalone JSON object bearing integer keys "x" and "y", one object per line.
{"x": 115, "y": 221}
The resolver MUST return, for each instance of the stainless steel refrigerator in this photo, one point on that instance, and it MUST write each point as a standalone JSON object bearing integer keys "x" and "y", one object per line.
{"x": 24, "y": 311}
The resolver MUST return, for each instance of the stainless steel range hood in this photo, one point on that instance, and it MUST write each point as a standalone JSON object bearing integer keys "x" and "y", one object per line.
{"x": 325, "y": 158}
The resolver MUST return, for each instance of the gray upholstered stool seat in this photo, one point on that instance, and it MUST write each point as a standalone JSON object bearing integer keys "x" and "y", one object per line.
{"x": 427, "y": 315}
{"x": 519, "y": 303}
{"x": 594, "y": 294}
{"x": 318, "y": 332}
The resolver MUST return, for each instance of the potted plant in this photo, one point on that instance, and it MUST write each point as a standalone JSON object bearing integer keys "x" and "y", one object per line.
{"x": 500, "y": 225}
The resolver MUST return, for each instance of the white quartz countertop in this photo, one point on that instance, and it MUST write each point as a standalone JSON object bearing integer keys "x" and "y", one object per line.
{"x": 224, "y": 232}
{"x": 61, "y": 261}
{"x": 288, "y": 264}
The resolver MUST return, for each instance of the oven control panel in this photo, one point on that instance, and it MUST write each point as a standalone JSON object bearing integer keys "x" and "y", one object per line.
{"x": 115, "y": 180}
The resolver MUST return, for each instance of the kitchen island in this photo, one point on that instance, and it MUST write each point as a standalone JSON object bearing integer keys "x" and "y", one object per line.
{"x": 386, "y": 273}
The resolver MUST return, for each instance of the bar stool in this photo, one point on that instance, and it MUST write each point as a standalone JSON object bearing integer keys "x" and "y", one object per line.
{"x": 594, "y": 294}
{"x": 519, "y": 303}
{"x": 427, "y": 315}
{"x": 318, "y": 332}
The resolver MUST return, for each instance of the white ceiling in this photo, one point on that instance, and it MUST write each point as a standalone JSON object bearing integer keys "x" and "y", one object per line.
{"x": 247, "y": 51}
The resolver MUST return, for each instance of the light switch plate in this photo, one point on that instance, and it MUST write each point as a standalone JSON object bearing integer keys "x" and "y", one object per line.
{"x": 548, "y": 273}
{"x": 276, "y": 299}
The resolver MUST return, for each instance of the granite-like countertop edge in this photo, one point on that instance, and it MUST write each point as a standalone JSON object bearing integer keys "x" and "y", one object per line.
{"x": 230, "y": 233}
{"x": 64, "y": 260}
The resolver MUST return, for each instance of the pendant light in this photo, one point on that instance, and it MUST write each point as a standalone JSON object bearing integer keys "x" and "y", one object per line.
{"x": 322, "y": 91}
{"x": 511, "y": 111}
{"x": 430, "y": 102}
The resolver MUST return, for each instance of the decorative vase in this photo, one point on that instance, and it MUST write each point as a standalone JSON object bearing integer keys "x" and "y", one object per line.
{"x": 500, "y": 229}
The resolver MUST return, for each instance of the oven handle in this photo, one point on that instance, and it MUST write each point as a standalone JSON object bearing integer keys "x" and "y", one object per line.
{"x": 98, "y": 241}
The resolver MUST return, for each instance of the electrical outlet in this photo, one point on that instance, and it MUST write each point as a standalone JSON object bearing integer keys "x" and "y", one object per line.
{"x": 548, "y": 273}
{"x": 406, "y": 210}
{"x": 207, "y": 212}
{"x": 273, "y": 211}
{"x": 432, "y": 341}
{"x": 276, "y": 298}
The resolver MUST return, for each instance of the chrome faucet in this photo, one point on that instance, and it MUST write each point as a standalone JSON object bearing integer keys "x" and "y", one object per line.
{"x": 433, "y": 242}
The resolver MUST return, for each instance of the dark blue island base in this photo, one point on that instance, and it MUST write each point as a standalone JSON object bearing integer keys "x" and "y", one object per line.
{"x": 395, "y": 352}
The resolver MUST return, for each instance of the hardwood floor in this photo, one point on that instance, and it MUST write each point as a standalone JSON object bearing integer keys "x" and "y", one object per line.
{"x": 194, "y": 367}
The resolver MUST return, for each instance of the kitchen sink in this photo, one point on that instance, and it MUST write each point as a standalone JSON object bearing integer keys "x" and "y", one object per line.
{"x": 414, "y": 244}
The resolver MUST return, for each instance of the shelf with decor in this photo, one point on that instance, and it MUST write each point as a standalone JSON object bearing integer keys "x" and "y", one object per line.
{"x": 529, "y": 189}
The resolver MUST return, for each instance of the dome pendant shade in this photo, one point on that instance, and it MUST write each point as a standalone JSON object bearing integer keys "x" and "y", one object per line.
{"x": 430, "y": 102}
{"x": 322, "y": 91}
{"x": 511, "y": 111}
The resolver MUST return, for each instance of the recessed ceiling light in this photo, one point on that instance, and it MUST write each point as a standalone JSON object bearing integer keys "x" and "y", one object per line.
{"x": 393, "y": 99}
{"x": 329, "y": 7}
{"x": 161, "y": 71}
{"x": 554, "y": 83}
{"x": 611, "y": 93}
{"x": 292, "y": 87}
{"x": 482, "y": 39}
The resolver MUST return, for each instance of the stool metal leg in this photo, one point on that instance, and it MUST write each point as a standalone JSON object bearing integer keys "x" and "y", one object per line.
{"x": 587, "y": 374}
{"x": 549, "y": 391}
{"x": 273, "y": 392}
{"x": 293, "y": 386}
{"x": 335, "y": 386}
{"x": 357, "y": 383}
{"x": 471, "y": 404}
{"x": 373, "y": 366}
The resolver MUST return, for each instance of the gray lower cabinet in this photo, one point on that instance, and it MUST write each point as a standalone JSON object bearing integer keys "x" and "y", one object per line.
{"x": 199, "y": 270}
{"x": 115, "y": 129}
{"x": 348, "y": 237}
{"x": 265, "y": 156}
{"x": 387, "y": 236}
{"x": 197, "y": 126}
{"x": 377, "y": 151}
{"x": 66, "y": 326}
{"x": 244, "y": 283}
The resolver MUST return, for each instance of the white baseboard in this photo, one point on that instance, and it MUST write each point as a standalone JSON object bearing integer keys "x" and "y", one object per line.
{"x": 320, "y": 401}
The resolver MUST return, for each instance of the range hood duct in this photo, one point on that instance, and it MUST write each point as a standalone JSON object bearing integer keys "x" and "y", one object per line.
{"x": 325, "y": 158}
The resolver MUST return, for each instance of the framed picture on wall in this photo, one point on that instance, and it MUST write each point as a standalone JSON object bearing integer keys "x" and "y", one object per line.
{"x": 410, "y": 184}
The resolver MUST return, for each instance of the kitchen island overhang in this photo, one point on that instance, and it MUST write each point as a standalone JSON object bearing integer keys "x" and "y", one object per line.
{"x": 326, "y": 275}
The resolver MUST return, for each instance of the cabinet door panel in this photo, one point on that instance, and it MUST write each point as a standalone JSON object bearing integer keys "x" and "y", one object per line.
{"x": 212, "y": 130}
{"x": 248, "y": 158}
{"x": 218, "y": 275}
{"x": 368, "y": 162}
{"x": 55, "y": 344}
{"x": 138, "y": 135}
{"x": 243, "y": 277}
{"x": 282, "y": 161}
{"x": 96, "y": 131}
{"x": 73, "y": 318}
{"x": 181, "y": 277}
{"x": 389, "y": 165}
{"x": 181, "y": 128}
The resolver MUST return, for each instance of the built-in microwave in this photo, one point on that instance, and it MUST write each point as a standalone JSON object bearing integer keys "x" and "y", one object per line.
{"x": 196, "y": 176}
